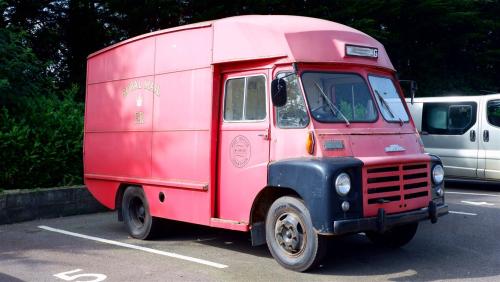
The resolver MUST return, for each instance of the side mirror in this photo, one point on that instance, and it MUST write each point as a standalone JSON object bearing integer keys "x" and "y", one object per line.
{"x": 278, "y": 92}
{"x": 413, "y": 88}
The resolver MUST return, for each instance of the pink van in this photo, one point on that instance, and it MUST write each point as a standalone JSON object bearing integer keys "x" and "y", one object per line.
{"x": 289, "y": 127}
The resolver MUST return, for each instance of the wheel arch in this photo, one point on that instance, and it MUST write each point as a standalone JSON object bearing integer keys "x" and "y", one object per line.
{"x": 265, "y": 199}
{"x": 313, "y": 179}
{"x": 260, "y": 206}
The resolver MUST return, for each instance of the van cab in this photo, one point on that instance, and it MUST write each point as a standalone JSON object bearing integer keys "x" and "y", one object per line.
{"x": 464, "y": 131}
{"x": 290, "y": 128}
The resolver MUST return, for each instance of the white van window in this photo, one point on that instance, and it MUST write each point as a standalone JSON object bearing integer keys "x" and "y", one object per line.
{"x": 447, "y": 118}
{"x": 493, "y": 112}
{"x": 388, "y": 99}
{"x": 459, "y": 116}
{"x": 294, "y": 113}
{"x": 245, "y": 99}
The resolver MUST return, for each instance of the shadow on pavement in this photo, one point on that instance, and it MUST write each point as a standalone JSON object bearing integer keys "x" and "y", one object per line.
{"x": 213, "y": 237}
{"x": 430, "y": 256}
{"x": 447, "y": 250}
{"x": 5, "y": 277}
{"x": 473, "y": 186}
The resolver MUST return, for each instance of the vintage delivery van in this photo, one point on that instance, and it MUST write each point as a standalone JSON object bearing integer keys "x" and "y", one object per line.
{"x": 291, "y": 128}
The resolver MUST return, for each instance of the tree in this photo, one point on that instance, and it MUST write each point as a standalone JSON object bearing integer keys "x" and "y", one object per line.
{"x": 21, "y": 73}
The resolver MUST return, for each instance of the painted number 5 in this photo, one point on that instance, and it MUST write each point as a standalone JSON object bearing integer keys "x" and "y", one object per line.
{"x": 87, "y": 277}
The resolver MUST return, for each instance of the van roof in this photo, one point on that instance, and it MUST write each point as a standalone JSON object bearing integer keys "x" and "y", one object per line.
{"x": 300, "y": 39}
{"x": 453, "y": 98}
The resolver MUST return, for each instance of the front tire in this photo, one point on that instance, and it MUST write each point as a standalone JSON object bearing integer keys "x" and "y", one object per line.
{"x": 291, "y": 237}
{"x": 396, "y": 237}
{"x": 139, "y": 222}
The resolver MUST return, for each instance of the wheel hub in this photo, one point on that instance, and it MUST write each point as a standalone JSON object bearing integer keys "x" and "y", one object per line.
{"x": 289, "y": 233}
{"x": 137, "y": 211}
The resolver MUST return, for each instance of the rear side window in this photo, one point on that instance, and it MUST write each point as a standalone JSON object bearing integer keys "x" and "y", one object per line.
{"x": 448, "y": 118}
{"x": 493, "y": 112}
{"x": 245, "y": 99}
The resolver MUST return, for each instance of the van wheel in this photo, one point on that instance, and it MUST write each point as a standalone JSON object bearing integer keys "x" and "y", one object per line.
{"x": 396, "y": 237}
{"x": 140, "y": 224}
{"x": 291, "y": 237}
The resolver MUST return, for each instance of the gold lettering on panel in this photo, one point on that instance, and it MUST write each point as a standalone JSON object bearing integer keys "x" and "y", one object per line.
{"x": 139, "y": 118}
{"x": 147, "y": 85}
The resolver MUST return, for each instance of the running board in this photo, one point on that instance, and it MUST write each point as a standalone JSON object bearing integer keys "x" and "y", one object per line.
{"x": 229, "y": 224}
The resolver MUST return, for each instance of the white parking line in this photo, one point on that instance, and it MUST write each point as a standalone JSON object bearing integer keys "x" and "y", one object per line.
{"x": 464, "y": 213}
{"x": 475, "y": 194}
{"x": 130, "y": 246}
{"x": 477, "y": 203}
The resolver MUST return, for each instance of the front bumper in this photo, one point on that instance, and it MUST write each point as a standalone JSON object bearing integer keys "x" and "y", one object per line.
{"x": 384, "y": 222}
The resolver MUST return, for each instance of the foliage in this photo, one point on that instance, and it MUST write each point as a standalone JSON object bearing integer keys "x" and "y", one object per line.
{"x": 40, "y": 126}
{"x": 448, "y": 46}
{"x": 43, "y": 148}
{"x": 360, "y": 111}
{"x": 21, "y": 73}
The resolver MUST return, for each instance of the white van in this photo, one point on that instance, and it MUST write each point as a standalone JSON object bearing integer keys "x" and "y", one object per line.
{"x": 464, "y": 131}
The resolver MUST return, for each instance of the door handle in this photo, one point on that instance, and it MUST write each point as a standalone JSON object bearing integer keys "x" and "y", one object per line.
{"x": 264, "y": 136}
{"x": 486, "y": 136}
{"x": 473, "y": 135}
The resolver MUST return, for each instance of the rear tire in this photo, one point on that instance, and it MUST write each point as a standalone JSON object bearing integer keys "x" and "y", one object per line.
{"x": 139, "y": 222}
{"x": 291, "y": 237}
{"x": 396, "y": 237}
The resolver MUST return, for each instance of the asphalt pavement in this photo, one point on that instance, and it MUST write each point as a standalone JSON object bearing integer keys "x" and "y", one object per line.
{"x": 463, "y": 245}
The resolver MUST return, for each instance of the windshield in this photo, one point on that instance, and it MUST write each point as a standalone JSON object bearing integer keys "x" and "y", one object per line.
{"x": 338, "y": 97}
{"x": 388, "y": 100}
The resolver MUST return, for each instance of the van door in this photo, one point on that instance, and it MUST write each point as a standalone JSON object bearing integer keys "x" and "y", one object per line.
{"x": 490, "y": 137}
{"x": 243, "y": 145}
{"x": 450, "y": 130}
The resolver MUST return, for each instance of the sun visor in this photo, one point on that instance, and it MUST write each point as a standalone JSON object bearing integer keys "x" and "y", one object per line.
{"x": 331, "y": 46}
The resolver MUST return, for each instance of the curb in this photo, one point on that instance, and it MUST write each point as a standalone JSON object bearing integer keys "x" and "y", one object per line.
{"x": 47, "y": 203}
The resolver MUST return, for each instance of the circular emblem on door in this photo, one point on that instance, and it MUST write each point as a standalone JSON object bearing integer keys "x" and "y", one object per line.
{"x": 240, "y": 151}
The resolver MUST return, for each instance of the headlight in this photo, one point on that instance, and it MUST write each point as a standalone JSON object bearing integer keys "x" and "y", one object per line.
{"x": 343, "y": 184}
{"x": 437, "y": 174}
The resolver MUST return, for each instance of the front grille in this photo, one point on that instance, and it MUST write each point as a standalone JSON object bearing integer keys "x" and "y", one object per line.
{"x": 395, "y": 188}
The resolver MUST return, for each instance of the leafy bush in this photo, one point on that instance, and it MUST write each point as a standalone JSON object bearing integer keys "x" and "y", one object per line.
{"x": 22, "y": 74}
{"x": 40, "y": 126}
{"x": 42, "y": 147}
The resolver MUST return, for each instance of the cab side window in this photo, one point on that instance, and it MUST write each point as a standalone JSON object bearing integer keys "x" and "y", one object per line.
{"x": 235, "y": 91}
{"x": 245, "y": 99}
{"x": 447, "y": 118}
{"x": 493, "y": 112}
{"x": 294, "y": 113}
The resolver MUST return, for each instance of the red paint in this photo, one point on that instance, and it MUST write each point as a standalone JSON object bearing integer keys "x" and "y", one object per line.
{"x": 406, "y": 197}
{"x": 154, "y": 116}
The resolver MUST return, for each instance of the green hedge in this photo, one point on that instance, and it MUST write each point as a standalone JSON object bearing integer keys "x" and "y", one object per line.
{"x": 42, "y": 147}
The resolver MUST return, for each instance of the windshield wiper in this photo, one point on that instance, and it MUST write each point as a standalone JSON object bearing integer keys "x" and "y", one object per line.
{"x": 386, "y": 105}
{"x": 332, "y": 107}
